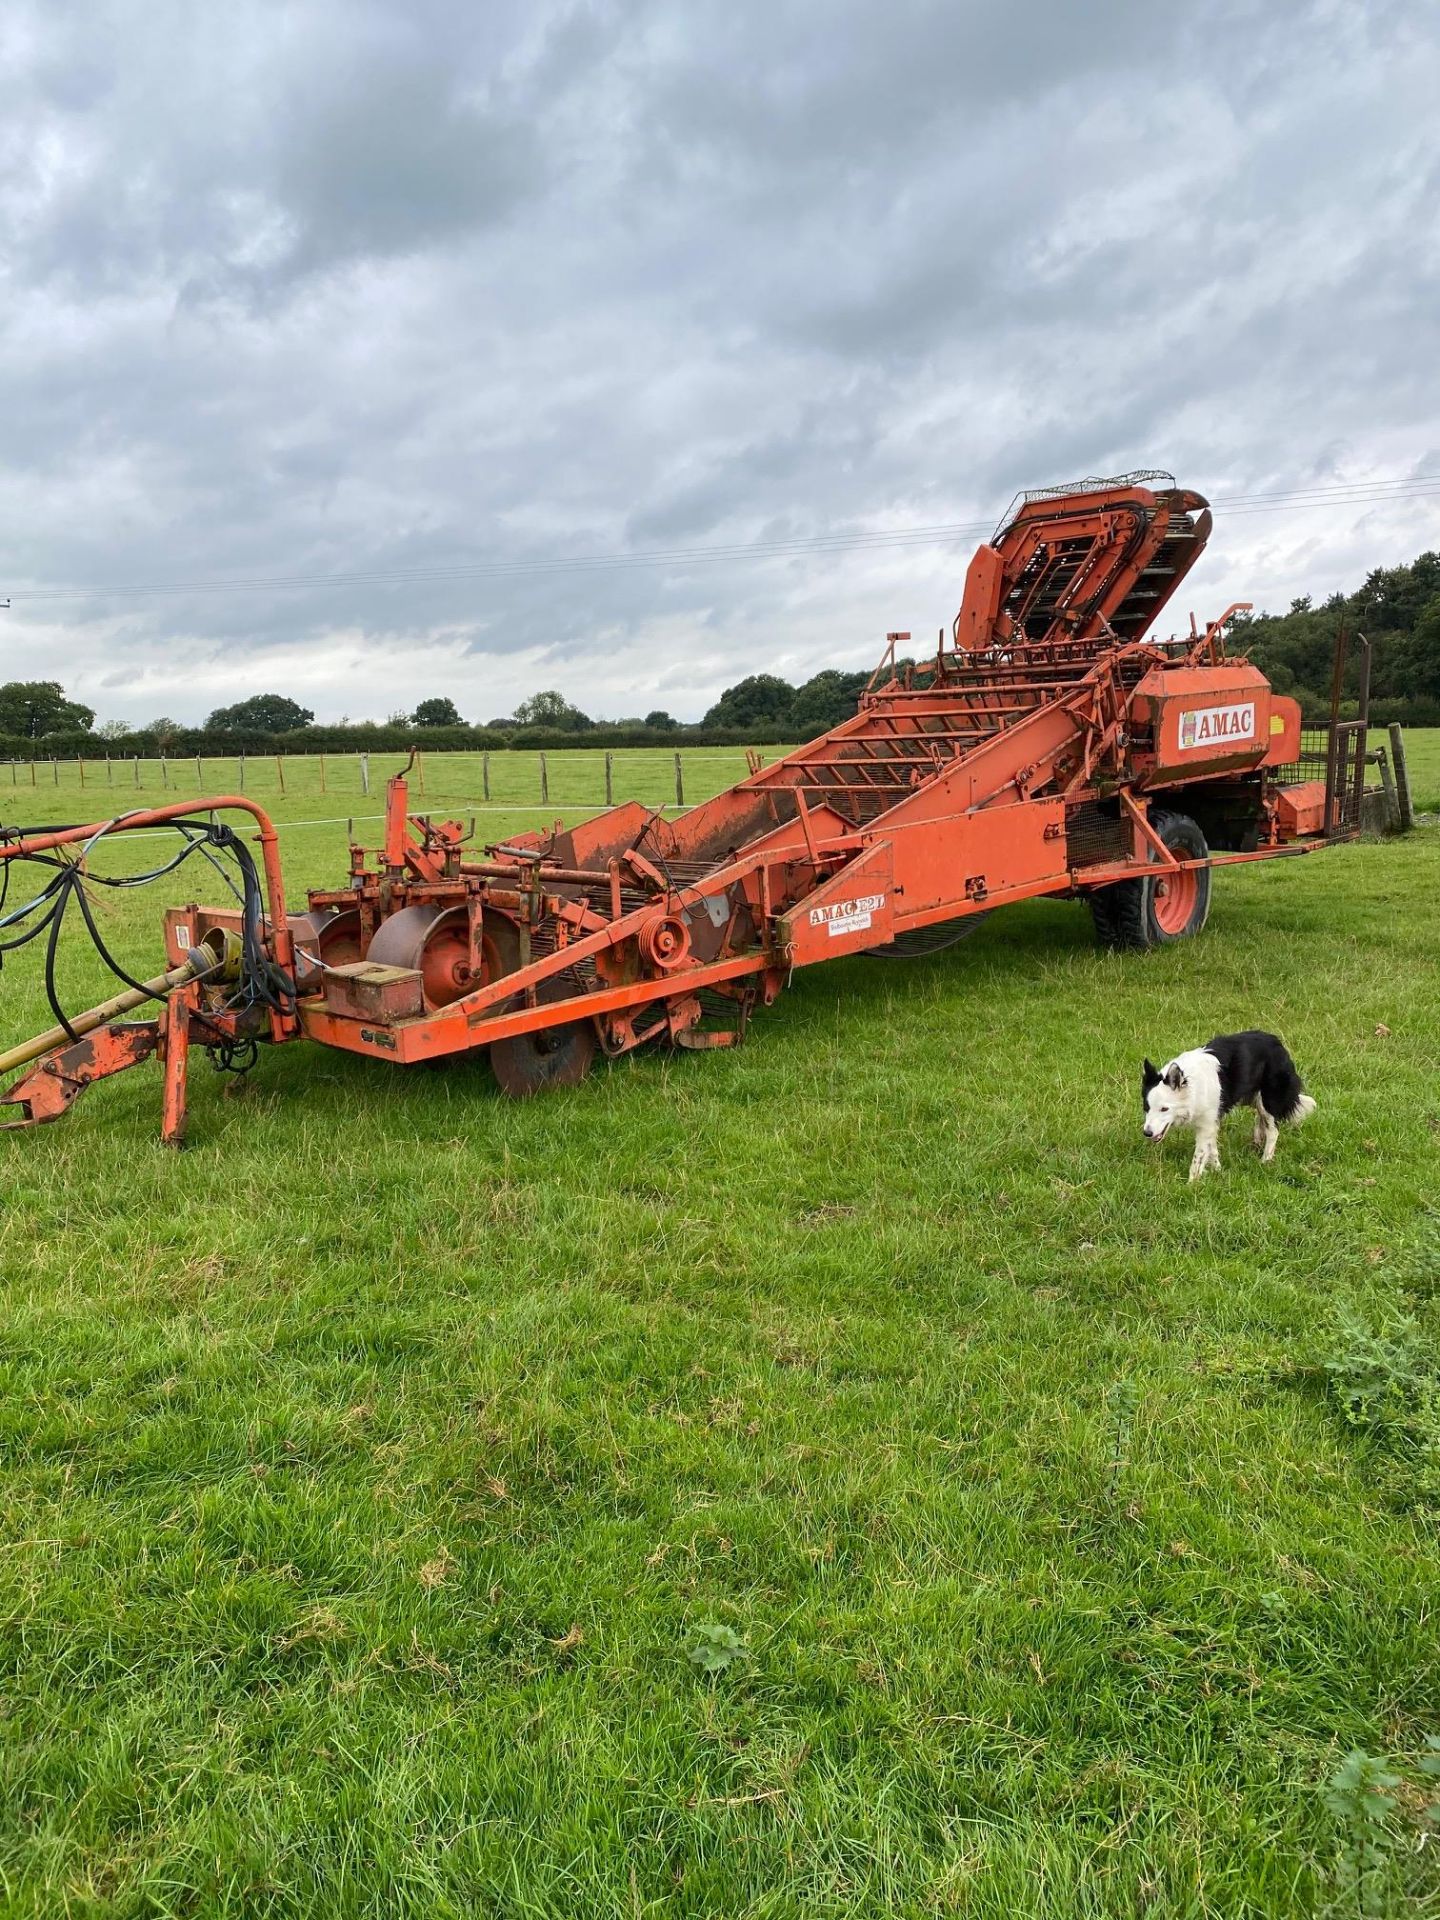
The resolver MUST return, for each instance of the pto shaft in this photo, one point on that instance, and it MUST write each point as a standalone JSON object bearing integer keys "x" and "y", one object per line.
{"x": 204, "y": 960}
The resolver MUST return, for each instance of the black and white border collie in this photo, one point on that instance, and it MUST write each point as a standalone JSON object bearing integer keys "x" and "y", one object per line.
{"x": 1197, "y": 1089}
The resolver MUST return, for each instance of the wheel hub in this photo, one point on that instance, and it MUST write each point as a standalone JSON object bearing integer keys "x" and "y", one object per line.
{"x": 1175, "y": 896}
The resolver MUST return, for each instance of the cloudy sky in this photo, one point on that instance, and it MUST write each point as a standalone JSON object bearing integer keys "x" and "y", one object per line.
{"x": 354, "y": 326}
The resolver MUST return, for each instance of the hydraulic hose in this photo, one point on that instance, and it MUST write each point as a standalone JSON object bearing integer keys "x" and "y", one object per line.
{"x": 204, "y": 960}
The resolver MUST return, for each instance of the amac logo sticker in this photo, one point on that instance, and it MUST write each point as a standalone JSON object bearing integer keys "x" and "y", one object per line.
{"x": 848, "y": 916}
{"x": 1217, "y": 726}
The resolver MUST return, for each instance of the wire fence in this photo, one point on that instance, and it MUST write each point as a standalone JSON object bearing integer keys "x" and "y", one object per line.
{"x": 513, "y": 778}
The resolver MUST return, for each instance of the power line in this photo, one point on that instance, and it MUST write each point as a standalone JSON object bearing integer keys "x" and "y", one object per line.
{"x": 1294, "y": 499}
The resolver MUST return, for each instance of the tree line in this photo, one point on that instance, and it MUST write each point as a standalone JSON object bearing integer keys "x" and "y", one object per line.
{"x": 38, "y": 718}
{"x": 1397, "y": 607}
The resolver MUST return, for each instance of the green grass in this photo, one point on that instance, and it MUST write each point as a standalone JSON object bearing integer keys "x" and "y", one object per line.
{"x": 330, "y": 788}
{"x": 336, "y": 788}
{"x": 1422, "y": 755}
{"x": 368, "y": 1468}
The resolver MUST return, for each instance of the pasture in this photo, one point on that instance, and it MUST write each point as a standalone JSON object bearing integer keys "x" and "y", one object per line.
{"x": 371, "y": 1468}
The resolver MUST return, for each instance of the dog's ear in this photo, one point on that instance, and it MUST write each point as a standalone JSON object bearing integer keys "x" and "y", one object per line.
{"x": 1174, "y": 1076}
{"x": 1149, "y": 1076}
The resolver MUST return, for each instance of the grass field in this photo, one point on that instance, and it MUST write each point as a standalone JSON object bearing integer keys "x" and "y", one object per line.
{"x": 369, "y": 1468}
{"x": 331, "y": 787}
{"x": 1422, "y": 752}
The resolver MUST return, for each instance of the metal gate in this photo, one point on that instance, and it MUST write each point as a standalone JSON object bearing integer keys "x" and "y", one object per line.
{"x": 1345, "y": 753}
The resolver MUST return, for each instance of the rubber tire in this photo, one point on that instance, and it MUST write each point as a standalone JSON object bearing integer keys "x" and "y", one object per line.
{"x": 1124, "y": 914}
{"x": 1104, "y": 906}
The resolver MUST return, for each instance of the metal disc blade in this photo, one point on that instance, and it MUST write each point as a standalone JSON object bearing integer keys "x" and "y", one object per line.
{"x": 340, "y": 938}
{"x": 529, "y": 1063}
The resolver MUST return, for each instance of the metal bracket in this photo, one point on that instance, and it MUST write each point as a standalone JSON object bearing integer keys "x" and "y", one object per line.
{"x": 1158, "y": 847}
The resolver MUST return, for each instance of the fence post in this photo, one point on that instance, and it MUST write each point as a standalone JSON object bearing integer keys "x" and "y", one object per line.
{"x": 32, "y": 771}
{"x": 485, "y": 773}
{"x": 1402, "y": 777}
{"x": 679, "y": 783}
{"x": 609, "y": 779}
{"x": 322, "y": 773}
{"x": 55, "y": 768}
{"x": 199, "y": 772}
{"x": 280, "y": 770}
{"x": 164, "y": 771}
{"x": 109, "y": 770}
{"x": 137, "y": 769}
{"x": 81, "y": 765}
{"x": 1381, "y": 759}
{"x": 365, "y": 773}
{"x": 544, "y": 782}
{"x": 242, "y": 773}
{"x": 14, "y": 775}
{"x": 420, "y": 771}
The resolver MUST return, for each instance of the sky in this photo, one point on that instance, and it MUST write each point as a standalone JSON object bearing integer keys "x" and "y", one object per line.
{"x": 335, "y": 336}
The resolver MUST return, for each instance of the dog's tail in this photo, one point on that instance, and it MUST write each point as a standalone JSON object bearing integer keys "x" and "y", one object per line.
{"x": 1304, "y": 1107}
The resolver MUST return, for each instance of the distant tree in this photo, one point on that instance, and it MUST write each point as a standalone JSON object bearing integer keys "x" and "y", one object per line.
{"x": 261, "y": 713}
{"x": 438, "y": 713}
{"x": 662, "y": 721}
{"x": 114, "y": 730}
{"x": 1422, "y": 665}
{"x": 1396, "y": 596}
{"x": 399, "y": 719}
{"x": 824, "y": 701}
{"x": 1393, "y": 608}
{"x": 762, "y": 700}
{"x": 163, "y": 731}
{"x": 37, "y": 707}
{"x": 551, "y": 709}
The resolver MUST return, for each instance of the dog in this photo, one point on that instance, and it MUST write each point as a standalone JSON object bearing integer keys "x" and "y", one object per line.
{"x": 1197, "y": 1089}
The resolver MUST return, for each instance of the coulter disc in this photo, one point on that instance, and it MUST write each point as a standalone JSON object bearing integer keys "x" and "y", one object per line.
{"x": 323, "y": 935}
{"x": 555, "y": 1057}
{"x": 558, "y": 1056}
{"x": 340, "y": 938}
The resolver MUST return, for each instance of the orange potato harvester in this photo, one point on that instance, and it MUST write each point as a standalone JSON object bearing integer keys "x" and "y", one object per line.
{"x": 1049, "y": 747}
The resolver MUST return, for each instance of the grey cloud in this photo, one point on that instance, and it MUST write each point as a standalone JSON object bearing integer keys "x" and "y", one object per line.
{"x": 358, "y": 288}
{"x": 395, "y": 158}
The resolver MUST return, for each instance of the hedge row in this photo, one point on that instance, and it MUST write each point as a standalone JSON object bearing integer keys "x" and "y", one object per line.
{"x": 379, "y": 739}
{"x": 376, "y": 739}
